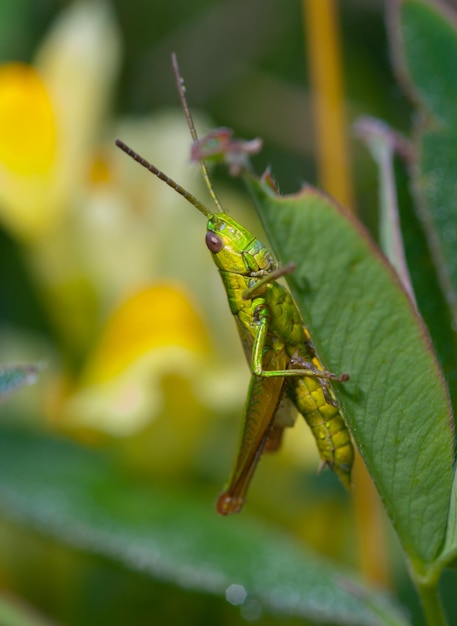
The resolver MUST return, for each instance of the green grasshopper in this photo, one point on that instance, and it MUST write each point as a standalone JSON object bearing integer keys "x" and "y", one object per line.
{"x": 283, "y": 362}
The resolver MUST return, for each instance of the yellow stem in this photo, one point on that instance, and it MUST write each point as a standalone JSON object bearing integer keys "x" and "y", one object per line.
{"x": 327, "y": 93}
{"x": 372, "y": 549}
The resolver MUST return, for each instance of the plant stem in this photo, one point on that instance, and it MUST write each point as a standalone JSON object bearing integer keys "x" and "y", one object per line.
{"x": 324, "y": 59}
{"x": 431, "y": 603}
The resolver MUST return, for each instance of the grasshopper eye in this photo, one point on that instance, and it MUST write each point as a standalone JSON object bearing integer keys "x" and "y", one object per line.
{"x": 213, "y": 242}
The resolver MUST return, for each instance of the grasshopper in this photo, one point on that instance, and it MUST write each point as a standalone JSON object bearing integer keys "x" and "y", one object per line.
{"x": 283, "y": 361}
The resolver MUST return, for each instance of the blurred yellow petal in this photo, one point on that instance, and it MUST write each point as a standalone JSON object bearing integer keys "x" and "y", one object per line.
{"x": 50, "y": 119}
{"x": 152, "y": 318}
{"x": 79, "y": 60}
{"x": 124, "y": 405}
{"x": 154, "y": 333}
{"x": 27, "y": 122}
{"x": 28, "y": 148}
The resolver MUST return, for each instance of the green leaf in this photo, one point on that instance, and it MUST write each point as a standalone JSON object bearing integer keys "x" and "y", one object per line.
{"x": 426, "y": 52}
{"x": 78, "y": 496}
{"x": 13, "y": 377}
{"x": 362, "y": 323}
{"x": 430, "y": 298}
{"x": 424, "y": 35}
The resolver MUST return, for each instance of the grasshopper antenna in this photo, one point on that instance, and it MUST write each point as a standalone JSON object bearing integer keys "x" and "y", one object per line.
{"x": 190, "y": 123}
{"x": 166, "y": 179}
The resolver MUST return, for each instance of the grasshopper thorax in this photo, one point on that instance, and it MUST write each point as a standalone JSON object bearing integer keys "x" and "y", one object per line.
{"x": 235, "y": 249}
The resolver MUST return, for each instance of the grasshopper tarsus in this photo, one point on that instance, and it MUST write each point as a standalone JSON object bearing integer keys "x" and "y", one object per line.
{"x": 228, "y": 505}
{"x": 299, "y": 363}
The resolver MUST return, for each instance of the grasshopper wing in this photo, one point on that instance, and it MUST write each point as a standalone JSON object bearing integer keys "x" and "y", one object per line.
{"x": 263, "y": 399}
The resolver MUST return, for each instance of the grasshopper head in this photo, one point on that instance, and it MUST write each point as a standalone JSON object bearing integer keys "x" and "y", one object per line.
{"x": 235, "y": 249}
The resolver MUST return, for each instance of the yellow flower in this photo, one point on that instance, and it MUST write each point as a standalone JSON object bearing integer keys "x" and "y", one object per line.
{"x": 49, "y": 116}
{"x": 154, "y": 332}
{"x": 27, "y": 124}
{"x": 28, "y": 150}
